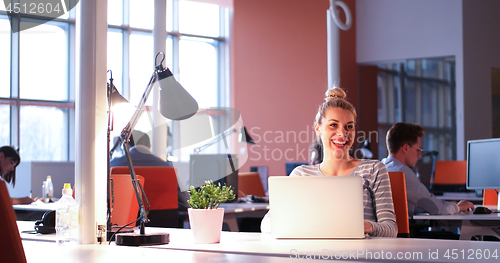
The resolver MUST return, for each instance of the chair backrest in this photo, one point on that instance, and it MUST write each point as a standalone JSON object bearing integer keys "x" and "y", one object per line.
{"x": 490, "y": 197}
{"x": 124, "y": 204}
{"x": 450, "y": 175}
{"x": 161, "y": 189}
{"x": 249, "y": 183}
{"x": 426, "y": 166}
{"x": 398, "y": 189}
{"x": 11, "y": 247}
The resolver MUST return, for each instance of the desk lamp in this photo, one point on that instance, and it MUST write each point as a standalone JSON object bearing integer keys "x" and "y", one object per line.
{"x": 363, "y": 149}
{"x": 175, "y": 103}
{"x": 114, "y": 98}
{"x": 242, "y": 137}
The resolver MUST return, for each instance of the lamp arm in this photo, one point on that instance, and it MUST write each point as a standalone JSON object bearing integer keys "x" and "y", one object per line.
{"x": 125, "y": 138}
{"x": 108, "y": 172}
{"x": 140, "y": 109}
{"x": 144, "y": 206}
{"x": 139, "y": 191}
{"x": 216, "y": 139}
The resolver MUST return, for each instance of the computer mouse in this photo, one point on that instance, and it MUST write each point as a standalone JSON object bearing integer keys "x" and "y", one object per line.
{"x": 481, "y": 210}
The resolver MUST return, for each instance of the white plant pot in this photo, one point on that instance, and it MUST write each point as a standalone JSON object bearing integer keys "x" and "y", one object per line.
{"x": 206, "y": 224}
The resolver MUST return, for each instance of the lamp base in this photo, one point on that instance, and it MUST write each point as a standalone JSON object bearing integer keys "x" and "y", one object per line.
{"x": 110, "y": 235}
{"x": 134, "y": 239}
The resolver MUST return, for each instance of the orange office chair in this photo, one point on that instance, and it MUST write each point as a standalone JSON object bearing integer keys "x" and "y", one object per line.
{"x": 450, "y": 176}
{"x": 398, "y": 189}
{"x": 249, "y": 183}
{"x": 11, "y": 247}
{"x": 124, "y": 201}
{"x": 161, "y": 191}
{"x": 490, "y": 197}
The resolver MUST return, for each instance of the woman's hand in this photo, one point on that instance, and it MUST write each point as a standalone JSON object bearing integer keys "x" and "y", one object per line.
{"x": 368, "y": 227}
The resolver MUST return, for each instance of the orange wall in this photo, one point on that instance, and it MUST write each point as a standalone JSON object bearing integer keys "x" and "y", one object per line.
{"x": 279, "y": 75}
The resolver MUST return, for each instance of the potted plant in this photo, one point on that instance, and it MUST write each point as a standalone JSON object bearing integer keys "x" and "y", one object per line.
{"x": 205, "y": 216}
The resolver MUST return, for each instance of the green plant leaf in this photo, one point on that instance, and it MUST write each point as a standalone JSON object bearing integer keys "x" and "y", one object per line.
{"x": 209, "y": 196}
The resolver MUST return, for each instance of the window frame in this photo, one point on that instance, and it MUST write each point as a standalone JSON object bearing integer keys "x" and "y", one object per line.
{"x": 15, "y": 102}
{"x": 442, "y": 136}
{"x": 221, "y": 44}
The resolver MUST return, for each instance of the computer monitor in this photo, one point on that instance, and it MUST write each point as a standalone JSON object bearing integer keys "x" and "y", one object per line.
{"x": 221, "y": 168}
{"x": 263, "y": 173}
{"x": 30, "y": 175}
{"x": 483, "y": 164}
{"x": 61, "y": 173}
{"x": 289, "y": 166}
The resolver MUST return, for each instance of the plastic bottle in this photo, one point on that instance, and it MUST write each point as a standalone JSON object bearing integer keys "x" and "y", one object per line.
{"x": 67, "y": 218}
{"x": 49, "y": 190}
{"x": 43, "y": 191}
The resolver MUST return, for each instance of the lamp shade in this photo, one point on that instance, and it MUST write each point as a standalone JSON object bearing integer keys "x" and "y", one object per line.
{"x": 175, "y": 102}
{"x": 116, "y": 98}
{"x": 244, "y": 136}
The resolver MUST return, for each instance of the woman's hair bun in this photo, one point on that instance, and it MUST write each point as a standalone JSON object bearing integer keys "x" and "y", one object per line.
{"x": 335, "y": 93}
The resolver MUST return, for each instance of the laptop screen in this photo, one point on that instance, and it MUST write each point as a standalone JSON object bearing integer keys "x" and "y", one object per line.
{"x": 316, "y": 207}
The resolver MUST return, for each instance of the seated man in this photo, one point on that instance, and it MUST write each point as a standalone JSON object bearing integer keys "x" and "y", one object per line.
{"x": 404, "y": 146}
{"x": 142, "y": 156}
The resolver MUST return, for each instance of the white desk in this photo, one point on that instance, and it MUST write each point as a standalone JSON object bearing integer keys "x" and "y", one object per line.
{"x": 33, "y": 211}
{"x": 44, "y": 252}
{"x": 256, "y": 246}
{"x": 36, "y": 206}
{"x": 457, "y": 196}
{"x": 232, "y": 211}
{"x": 470, "y": 224}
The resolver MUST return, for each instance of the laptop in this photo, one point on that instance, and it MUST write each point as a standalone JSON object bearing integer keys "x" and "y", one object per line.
{"x": 316, "y": 207}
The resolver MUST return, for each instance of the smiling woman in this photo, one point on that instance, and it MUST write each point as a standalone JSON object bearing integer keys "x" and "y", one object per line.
{"x": 335, "y": 127}
{"x": 335, "y": 123}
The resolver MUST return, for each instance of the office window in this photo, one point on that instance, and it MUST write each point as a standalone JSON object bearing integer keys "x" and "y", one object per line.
{"x": 115, "y": 12}
{"x": 420, "y": 91}
{"x": 199, "y": 18}
{"x": 141, "y": 14}
{"x": 141, "y": 65}
{"x": 195, "y": 53}
{"x": 5, "y": 80}
{"x": 4, "y": 124}
{"x": 43, "y": 62}
{"x": 199, "y": 70}
{"x": 37, "y": 101}
{"x": 115, "y": 57}
{"x": 44, "y": 133}
{"x": 5, "y": 55}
